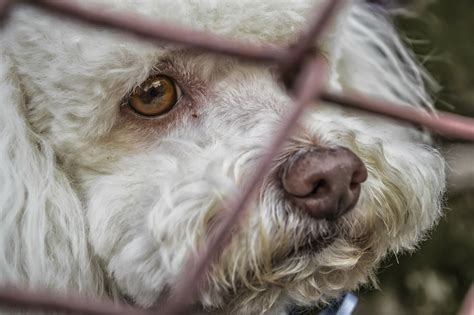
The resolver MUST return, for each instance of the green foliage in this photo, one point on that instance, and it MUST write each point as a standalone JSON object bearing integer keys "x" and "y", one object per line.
{"x": 442, "y": 36}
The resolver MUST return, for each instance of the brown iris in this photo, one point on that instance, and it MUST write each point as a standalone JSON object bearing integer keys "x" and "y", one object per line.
{"x": 156, "y": 96}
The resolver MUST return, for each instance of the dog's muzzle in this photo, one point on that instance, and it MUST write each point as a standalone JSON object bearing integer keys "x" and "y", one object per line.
{"x": 324, "y": 182}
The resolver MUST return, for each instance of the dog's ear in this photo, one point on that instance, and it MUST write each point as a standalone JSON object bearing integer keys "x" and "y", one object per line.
{"x": 43, "y": 237}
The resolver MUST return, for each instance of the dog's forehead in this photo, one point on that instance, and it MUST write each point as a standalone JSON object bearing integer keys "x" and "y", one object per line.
{"x": 268, "y": 21}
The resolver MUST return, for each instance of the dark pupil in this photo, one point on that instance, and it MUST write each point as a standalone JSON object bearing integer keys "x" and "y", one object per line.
{"x": 150, "y": 96}
{"x": 154, "y": 92}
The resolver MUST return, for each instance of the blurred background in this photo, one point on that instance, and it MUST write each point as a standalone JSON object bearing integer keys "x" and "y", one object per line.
{"x": 435, "y": 279}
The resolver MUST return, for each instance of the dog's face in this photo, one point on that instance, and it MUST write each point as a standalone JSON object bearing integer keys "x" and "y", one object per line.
{"x": 157, "y": 140}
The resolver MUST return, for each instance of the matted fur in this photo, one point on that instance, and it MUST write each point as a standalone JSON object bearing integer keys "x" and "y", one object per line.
{"x": 96, "y": 199}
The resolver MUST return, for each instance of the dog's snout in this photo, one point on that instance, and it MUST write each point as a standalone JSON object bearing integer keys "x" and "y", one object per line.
{"x": 324, "y": 182}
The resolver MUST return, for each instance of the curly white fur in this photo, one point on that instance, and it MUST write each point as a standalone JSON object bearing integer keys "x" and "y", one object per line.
{"x": 96, "y": 199}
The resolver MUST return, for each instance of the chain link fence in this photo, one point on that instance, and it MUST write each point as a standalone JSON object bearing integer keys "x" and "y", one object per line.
{"x": 304, "y": 75}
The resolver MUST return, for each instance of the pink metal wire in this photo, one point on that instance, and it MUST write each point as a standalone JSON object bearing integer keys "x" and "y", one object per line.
{"x": 312, "y": 82}
{"x": 468, "y": 305}
{"x": 441, "y": 122}
{"x": 37, "y": 300}
{"x": 446, "y": 124}
{"x": 150, "y": 29}
{"x": 309, "y": 86}
{"x": 4, "y": 7}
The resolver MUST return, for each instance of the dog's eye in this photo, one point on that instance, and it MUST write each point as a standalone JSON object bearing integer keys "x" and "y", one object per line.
{"x": 155, "y": 97}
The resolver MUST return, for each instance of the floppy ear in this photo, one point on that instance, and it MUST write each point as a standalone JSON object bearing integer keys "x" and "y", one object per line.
{"x": 43, "y": 237}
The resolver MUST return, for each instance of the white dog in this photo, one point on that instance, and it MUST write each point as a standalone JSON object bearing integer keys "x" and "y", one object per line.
{"x": 116, "y": 156}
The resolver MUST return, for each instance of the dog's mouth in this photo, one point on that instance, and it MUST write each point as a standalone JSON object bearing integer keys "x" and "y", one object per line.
{"x": 314, "y": 244}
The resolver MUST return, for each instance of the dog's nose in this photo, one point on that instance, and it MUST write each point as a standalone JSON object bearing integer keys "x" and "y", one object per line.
{"x": 324, "y": 182}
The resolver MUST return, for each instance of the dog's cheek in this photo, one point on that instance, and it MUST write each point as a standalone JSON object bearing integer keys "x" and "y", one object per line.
{"x": 423, "y": 185}
{"x": 117, "y": 210}
{"x": 119, "y": 235}
{"x": 153, "y": 211}
{"x": 402, "y": 198}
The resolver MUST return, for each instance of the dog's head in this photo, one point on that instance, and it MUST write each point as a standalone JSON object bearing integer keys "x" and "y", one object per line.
{"x": 141, "y": 147}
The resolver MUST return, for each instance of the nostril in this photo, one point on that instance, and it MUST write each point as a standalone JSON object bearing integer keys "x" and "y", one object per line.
{"x": 320, "y": 187}
{"x": 354, "y": 186}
